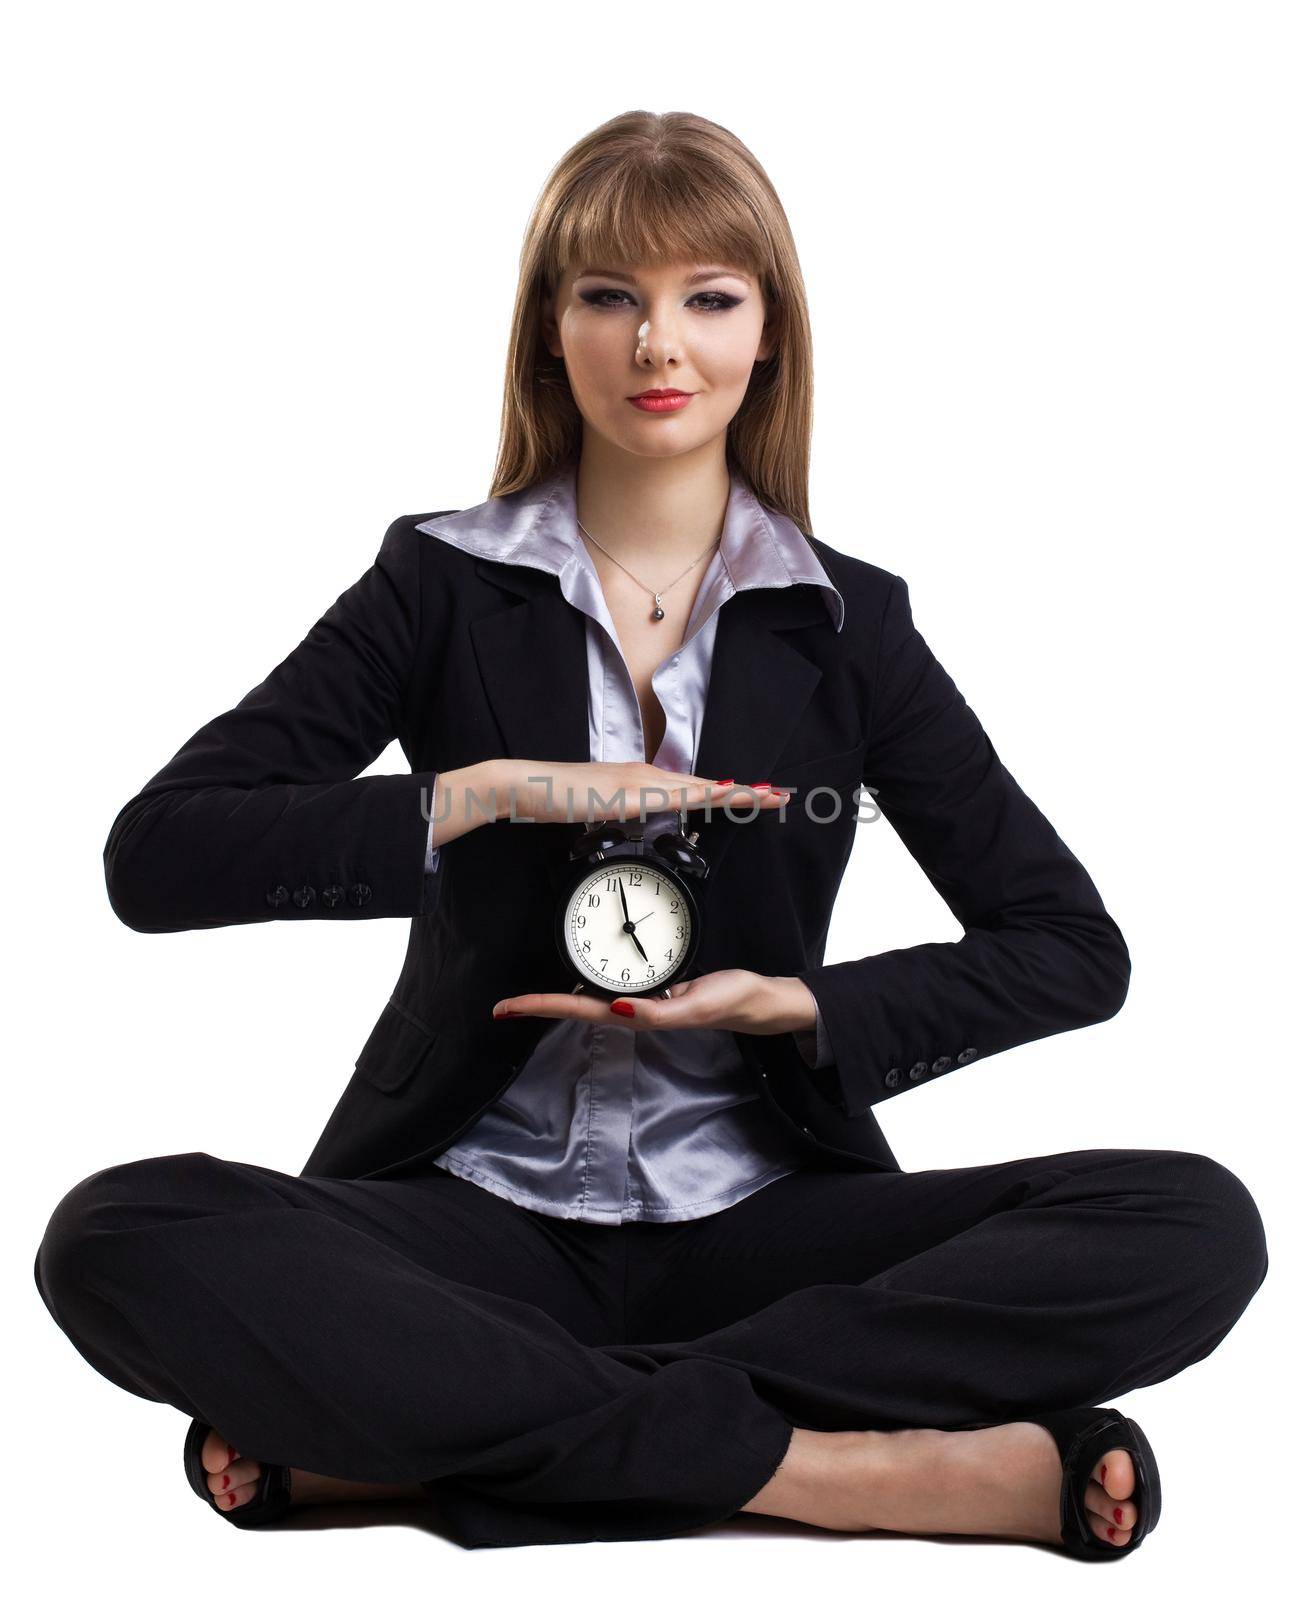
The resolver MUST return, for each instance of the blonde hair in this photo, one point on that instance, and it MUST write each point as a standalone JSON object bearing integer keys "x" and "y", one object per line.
{"x": 657, "y": 188}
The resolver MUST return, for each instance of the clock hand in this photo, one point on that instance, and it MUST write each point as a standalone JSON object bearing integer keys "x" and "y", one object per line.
{"x": 628, "y": 922}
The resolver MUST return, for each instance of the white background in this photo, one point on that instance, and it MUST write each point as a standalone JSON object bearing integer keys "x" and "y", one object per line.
{"x": 259, "y": 278}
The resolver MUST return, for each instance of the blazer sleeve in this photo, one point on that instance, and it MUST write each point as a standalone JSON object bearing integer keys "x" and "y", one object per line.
{"x": 260, "y": 817}
{"x": 1040, "y": 954}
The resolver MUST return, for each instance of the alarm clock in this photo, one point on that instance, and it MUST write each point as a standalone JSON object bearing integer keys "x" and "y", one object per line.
{"x": 628, "y": 913}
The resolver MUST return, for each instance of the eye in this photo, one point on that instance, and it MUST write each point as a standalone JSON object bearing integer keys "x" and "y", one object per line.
{"x": 597, "y": 297}
{"x": 715, "y": 298}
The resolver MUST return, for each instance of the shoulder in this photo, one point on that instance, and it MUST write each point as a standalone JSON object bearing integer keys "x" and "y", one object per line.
{"x": 446, "y": 576}
{"x": 405, "y": 533}
{"x": 852, "y": 575}
{"x": 409, "y": 546}
{"x": 870, "y": 593}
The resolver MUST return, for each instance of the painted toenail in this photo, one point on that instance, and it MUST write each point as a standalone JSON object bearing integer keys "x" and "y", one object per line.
{"x": 1108, "y": 1533}
{"x": 1117, "y": 1513}
{"x": 225, "y": 1483}
{"x": 1103, "y": 1470}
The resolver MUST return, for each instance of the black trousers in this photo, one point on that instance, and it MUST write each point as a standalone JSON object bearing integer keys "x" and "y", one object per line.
{"x": 555, "y": 1382}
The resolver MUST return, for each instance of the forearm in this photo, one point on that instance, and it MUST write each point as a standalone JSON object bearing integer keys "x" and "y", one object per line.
{"x": 215, "y": 855}
{"x": 468, "y": 797}
{"x": 907, "y": 1016}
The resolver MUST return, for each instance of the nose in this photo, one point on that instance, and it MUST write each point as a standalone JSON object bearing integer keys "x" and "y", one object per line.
{"x": 658, "y": 340}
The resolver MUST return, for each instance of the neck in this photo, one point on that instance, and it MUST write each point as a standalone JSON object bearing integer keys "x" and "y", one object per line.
{"x": 654, "y": 515}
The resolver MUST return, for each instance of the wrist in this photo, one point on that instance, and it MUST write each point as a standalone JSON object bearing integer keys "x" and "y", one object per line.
{"x": 794, "y": 1004}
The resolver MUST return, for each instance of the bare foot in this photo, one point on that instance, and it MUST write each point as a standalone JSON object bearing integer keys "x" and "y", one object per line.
{"x": 231, "y": 1478}
{"x": 1002, "y": 1481}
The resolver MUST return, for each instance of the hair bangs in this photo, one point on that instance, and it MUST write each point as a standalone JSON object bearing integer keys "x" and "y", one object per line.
{"x": 653, "y": 215}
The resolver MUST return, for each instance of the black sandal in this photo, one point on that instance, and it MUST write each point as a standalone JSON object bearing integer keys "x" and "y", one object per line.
{"x": 273, "y": 1496}
{"x": 1083, "y": 1434}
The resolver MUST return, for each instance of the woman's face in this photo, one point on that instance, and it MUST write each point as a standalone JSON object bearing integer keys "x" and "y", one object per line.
{"x": 706, "y": 330}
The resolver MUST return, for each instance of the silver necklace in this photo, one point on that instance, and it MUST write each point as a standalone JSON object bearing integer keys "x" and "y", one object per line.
{"x": 658, "y": 594}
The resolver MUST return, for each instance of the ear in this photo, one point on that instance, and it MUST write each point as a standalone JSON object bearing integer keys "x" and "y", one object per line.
{"x": 773, "y": 323}
{"x": 548, "y": 325}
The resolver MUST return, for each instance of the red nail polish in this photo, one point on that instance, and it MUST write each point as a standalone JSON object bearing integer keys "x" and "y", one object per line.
{"x": 1117, "y": 1514}
{"x": 232, "y": 1498}
{"x": 1108, "y": 1533}
{"x": 1103, "y": 1469}
{"x": 623, "y": 1008}
{"x": 224, "y": 1482}
{"x": 760, "y": 786}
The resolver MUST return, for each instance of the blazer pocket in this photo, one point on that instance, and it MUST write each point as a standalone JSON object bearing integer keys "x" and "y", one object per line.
{"x": 833, "y": 770}
{"x": 396, "y": 1048}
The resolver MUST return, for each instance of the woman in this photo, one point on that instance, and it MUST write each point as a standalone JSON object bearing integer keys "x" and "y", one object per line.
{"x": 578, "y": 1270}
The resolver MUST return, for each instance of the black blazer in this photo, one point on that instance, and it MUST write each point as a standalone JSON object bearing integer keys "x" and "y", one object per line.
{"x": 261, "y": 817}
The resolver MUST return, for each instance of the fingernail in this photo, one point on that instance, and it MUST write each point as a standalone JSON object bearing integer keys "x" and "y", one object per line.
{"x": 720, "y": 782}
{"x": 760, "y": 786}
{"x": 623, "y": 1008}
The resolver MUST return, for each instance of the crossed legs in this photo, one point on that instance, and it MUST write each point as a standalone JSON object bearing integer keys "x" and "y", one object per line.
{"x": 559, "y": 1382}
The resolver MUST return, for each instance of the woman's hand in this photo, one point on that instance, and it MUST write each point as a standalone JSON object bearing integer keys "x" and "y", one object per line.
{"x": 741, "y": 1001}
{"x": 597, "y": 791}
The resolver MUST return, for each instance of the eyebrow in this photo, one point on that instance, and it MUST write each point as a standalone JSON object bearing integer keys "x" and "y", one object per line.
{"x": 627, "y": 277}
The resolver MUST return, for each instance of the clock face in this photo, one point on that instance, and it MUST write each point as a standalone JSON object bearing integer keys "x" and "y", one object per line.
{"x": 628, "y": 892}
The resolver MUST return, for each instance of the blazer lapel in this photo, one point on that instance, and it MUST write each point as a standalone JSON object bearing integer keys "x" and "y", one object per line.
{"x": 532, "y": 658}
{"x": 760, "y": 687}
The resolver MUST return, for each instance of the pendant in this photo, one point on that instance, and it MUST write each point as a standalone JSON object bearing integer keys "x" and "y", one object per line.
{"x": 659, "y": 610}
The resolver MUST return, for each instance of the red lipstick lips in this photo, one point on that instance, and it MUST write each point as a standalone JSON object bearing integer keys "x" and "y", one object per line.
{"x": 660, "y": 399}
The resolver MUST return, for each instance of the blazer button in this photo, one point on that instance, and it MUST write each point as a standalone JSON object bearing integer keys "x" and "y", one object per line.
{"x": 968, "y": 1054}
{"x": 893, "y": 1077}
{"x": 360, "y": 894}
{"x": 919, "y": 1070}
{"x": 303, "y": 897}
{"x": 942, "y": 1064}
{"x": 278, "y": 896}
{"x": 333, "y": 895}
